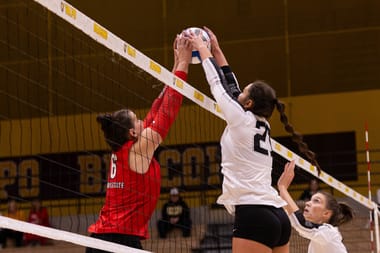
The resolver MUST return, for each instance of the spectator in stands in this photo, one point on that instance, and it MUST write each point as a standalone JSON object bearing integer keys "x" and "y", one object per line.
{"x": 175, "y": 214}
{"x": 15, "y": 213}
{"x": 133, "y": 183}
{"x": 311, "y": 190}
{"x": 37, "y": 215}
{"x": 320, "y": 219}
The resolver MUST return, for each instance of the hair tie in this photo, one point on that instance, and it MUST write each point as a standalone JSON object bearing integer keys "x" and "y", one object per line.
{"x": 108, "y": 121}
{"x": 108, "y": 116}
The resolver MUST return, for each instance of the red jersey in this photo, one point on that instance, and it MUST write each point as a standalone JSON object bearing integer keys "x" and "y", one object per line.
{"x": 131, "y": 197}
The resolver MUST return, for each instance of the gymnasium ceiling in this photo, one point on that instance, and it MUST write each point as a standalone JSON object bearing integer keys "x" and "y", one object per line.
{"x": 303, "y": 48}
{"x": 334, "y": 45}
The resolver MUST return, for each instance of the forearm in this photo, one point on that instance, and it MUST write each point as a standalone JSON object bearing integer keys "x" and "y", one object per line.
{"x": 204, "y": 52}
{"x": 153, "y": 111}
{"x": 232, "y": 110}
{"x": 169, "y": 108}
{"x": 219, "y": 57}
{"x": 182, "y": 66}
{"x": 292, "y": 206}
{"x": 232, "y": 85}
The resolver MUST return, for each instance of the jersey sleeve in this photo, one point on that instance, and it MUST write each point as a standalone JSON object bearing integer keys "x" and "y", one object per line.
{"x": 233, "y": 112}
{"x": 232, "y": 85}
{"x": 168, "y": 109}
{"x": 154, "y": 108}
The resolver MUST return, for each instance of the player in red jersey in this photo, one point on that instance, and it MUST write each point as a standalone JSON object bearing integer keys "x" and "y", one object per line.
{"x": 133, "y": 185}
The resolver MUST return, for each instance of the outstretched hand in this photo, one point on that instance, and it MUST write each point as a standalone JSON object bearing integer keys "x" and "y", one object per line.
{"x": 175, "y": 54}
{"x": 182, "y": 54}
{"x": 287, "y": 176}
{"x": 213, "y": 39}
{"x": 216, "y": 51}
{"x": 283, "y": 184}
{"x": 183, "y": 49}
{"x": 195, "y": 40}
{"x": 199, "y": 45}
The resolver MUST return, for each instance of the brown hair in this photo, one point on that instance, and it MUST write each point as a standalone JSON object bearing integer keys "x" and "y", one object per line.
{"x": 115, "y": 127}
{"x": 264, "y": 97}
{"x": 341, "y": 212}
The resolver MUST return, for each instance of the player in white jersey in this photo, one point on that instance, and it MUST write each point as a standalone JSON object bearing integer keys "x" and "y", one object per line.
{"x": 261, "y": 224}
{"x": 320, "y": 219}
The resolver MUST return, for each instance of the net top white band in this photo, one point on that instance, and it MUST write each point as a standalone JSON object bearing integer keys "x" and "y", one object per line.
{"x": 61, "y": 235}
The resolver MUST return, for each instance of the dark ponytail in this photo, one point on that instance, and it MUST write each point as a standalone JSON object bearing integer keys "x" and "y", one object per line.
{"x": 115, "y": 127}
{"x": 264, "y": 101}
{"x": 296, "y": 137}
{"x": 341, "y": 212}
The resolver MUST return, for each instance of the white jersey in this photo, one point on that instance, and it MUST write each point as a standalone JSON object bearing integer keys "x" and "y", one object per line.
{"x": 325, "y": 238}
{"x": 246, "y": 151}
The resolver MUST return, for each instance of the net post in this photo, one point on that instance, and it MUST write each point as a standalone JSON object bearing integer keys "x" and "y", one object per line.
{"x": 371, "y": 212}
{"x": 376, "y": 215}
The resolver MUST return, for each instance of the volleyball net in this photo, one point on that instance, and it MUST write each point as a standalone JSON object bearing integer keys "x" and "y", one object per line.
{"x": 55, "y": 81}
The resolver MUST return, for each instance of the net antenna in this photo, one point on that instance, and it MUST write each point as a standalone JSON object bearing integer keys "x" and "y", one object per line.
{"x": 373, "y": 214}
{"x": 91, "y": 28}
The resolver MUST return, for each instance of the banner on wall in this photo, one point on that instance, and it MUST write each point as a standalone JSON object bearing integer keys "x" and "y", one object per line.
{"x": 83, "y": 174}
{"x": 191, "y": 167}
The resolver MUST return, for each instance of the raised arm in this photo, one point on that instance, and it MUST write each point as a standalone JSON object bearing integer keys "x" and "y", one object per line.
{"x": 216, "y": 50}
{"x": 232, "y": 110}
{"x": 283, "y": 183}
{"x": 231, "y": 84}
{"x": 296, "y": 217}
{"x": 157, "y": 102}
{"x": 162, "y": 119}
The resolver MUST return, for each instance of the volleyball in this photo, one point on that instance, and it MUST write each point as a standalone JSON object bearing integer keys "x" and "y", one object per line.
{"x": 195, "y": 57}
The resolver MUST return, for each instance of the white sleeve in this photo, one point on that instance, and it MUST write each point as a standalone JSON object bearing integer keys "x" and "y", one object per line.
{"x": 232, "y": 110}
{"x": 320, "y": 234}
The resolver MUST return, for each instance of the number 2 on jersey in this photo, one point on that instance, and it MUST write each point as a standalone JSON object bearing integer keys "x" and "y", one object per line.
{"x": 261, "y": 137}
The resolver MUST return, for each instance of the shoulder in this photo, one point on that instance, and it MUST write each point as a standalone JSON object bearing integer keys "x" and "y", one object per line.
{"x": 329, "y": 233}
{"x": 124, "y": 148}
{"x": 248, "y": 118}
{"x": 329, "y": 228}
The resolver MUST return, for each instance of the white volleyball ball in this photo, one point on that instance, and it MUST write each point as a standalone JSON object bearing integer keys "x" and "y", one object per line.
{"x": 195, "y": 57}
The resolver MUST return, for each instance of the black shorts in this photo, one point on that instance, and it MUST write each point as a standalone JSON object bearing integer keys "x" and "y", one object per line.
{"x": 127, "y": 240}
{"x": 264, "y": 224}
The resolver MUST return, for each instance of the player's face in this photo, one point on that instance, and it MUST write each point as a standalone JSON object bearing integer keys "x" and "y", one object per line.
{"x": 315, "y": 210}
{"x": 174, "y": 198}
{"x": 137, "y": 123}
{"x": 244, "y": 97}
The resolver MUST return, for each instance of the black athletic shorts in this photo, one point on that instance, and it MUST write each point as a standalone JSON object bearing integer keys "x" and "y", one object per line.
{"x": 127, "y": 240}
{"x": 264, "y": 224}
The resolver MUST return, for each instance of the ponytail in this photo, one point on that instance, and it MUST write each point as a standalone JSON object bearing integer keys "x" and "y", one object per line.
{"x": 296, "y": 137}
{"x": 264, "y": 102}
{"x": 341, "y": 212}
{"x": 115, "y": 128}
{"x": 345, "y": 215}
